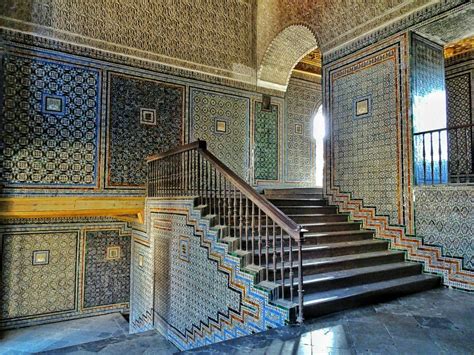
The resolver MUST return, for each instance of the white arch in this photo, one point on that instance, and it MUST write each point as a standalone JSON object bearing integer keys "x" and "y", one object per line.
{"x": 283, "y": 53}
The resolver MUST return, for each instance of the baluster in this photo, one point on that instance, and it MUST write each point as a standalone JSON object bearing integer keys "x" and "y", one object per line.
{"x": 266, "y": 248}
{"x": 235, "y": 210}
{"x": 216, "y": 212}
{"x": 282, "y": 268}
{"x": 432, "y": 160}
{"x": 274, "y": 248}
{"x": 300, "y": 280}
{"x": 424, "y": 160}
{"x": 259, "y": 237}
{"x": 188, "y": 172}
{"x": 229, "y": 207}
{"x": 439, "y": 160}
{"x": 241, "y": 221}
{"x": 253, "y": 232}
{"x": 291, "y": 267}
{"x": 247, "y": 223}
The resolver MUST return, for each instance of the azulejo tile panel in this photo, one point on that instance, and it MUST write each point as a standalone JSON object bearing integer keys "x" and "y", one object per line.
{"x": 50, "y": 123}
{"x": 106, "y": 281}
{"x": 357, "y": 140}
{"x": 266, "y": 141}
{"x": 445, "y": 217}
{"x": 30, "y": 290}
{"x": 207, "y": 298}
{"x": 232, "y": 145}
{"x": 141, "y": 299}
{"x": 128, "y": 97}
{"x": 458, "y": 92}
{"x": 302, "y": 102}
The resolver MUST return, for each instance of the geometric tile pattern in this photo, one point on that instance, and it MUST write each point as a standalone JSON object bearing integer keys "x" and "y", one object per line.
{"x": 208, "y": 108}
{"x": 129, "y": 97}
{"x": 458, "y": 92}
{"x": 188, "y": 292}
{"x": 397, "y": 233}
{"x": 106, "y": 281}
{"x": 31, "y": 290}
{"x": 43, "y": 147}
{"x": 357, "y": 139}
{"x": 445, "y": 217}
{"x": 141, "y": 301}
{"x": 303, "y": 99}
{"x": 266, "y": 143}
{"x": 243, "y": 308}
{"x": 459, "y": 105}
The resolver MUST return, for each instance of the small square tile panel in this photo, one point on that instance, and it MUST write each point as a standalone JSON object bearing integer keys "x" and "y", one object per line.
{"x": 148, "y": 116}
{"x": 113, "y": 253}
{"x": 53, "y": 104}
{"x": 221, "y": 126}
{"x": 184, "y": 248}
{"x": 298, "y": 128}
{"x": 40, "y": 257}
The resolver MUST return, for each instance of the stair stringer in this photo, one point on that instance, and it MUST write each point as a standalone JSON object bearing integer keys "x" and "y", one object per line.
{"x": 431, "y": 256}
{"x": 256, "y": 313}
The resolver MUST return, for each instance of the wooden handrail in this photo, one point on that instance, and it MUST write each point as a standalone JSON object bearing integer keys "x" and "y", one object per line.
{"x": 180, "y": 149}
{"x": 267, "y": 207}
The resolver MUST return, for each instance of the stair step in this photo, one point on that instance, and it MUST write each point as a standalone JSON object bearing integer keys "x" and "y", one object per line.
{"x": 323, "y": 265}
{"x": 288, "y": 201}
{"x": 286, "y": 192}
{"x": 329, "y": 250}
{"x": 319, "y": 217}
{"x": 307, "y": 209}
{"x": 353, "y": 277}
{"x": 319, "y": 303}
{"x": 331, "y": 226}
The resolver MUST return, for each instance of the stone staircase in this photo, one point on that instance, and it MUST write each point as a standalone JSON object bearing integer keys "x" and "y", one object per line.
{"x": 344, "y": 265}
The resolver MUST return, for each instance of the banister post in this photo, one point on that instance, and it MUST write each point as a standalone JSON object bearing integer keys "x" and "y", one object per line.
{"x": 300, "y": 318}
{"x": 202, "y": 145}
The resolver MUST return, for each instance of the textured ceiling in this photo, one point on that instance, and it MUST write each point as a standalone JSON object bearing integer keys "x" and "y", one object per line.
{"x": 311, "y": 63}
{"x": 457, "y": 48}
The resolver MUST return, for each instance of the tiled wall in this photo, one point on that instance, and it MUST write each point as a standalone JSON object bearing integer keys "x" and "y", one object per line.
{"x": 73, "y": 276}
{"x": 445, "y": 217}
{"x": 369, "y": 159}
{"x": 200, "y": 294}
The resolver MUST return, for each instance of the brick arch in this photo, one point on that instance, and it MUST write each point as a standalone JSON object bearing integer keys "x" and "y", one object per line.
{"x": 283, "y": 53}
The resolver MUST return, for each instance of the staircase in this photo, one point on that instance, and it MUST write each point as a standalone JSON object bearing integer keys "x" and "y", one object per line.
{"x": 344, "y": 265}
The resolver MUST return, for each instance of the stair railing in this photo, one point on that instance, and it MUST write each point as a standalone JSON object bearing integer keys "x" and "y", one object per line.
{"x": 269, "y": 240}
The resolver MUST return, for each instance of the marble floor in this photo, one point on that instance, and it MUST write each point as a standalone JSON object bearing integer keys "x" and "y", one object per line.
{"x": 62, "y": 334}
{"x": 439, "y": 321}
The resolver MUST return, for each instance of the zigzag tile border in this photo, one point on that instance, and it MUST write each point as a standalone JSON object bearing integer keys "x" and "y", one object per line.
{"x": 431, "y": 256}
{"x": 256, "y": 313}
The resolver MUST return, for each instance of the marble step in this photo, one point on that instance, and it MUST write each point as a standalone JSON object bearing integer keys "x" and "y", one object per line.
{"x": 356, "y": 276}
{"x": 326, "y": 250}
{"x": 319, "y": 238}
{"x": 307, "y": 209}
{"x": 344, "y": 262}
{"x": 319, "y": 303}
{"x": 331, "y": 226}
{"x": 293, "y": 191}
{"x": 288, "y": 201}
{"x": 319, "y": 217}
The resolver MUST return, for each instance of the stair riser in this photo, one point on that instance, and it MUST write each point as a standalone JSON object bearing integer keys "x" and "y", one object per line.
{"x": 347, "y": 264}
{"x": 333, "y": 227}
{"x": 290, "y": 192}
{"x": 369, "y": 277}
{"x": 300, "y": 196}
{"x": 330, "y": 252}
{"x": 303, "y": 202}
{"x": 319, "y": 219}
{"x": 317, "y": 240}
{"x": 317, "y": 210}
{"x": 336, "y": 305}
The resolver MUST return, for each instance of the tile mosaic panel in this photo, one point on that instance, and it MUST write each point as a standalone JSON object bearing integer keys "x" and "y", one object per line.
{"x": 445, "y": 217}
{"x": 302, "y": 102}
{"x": 208, "y": 298}
{"x": 141, "y": 294}
{"x": 231, "y": 146}
{"x": 459, "y": 105}
{"x": 106, "y": 281}
{"x": 50, "y": 123}
{"x": 32, "y": 290}
{"x": 266, "y": 141}
{"x": 358, "y": 140}
{"x": 128, "y": 96}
